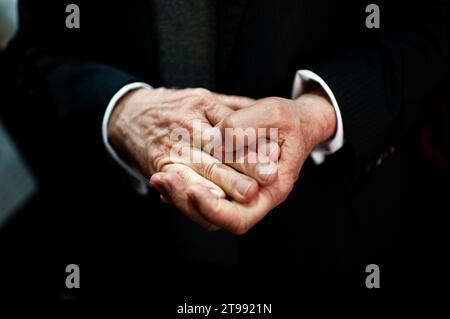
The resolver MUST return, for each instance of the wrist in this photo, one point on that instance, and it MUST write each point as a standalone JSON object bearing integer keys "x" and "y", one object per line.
{"x": 121, "y": 108}
{"x": 120, "y": 127}
{"x": 317, "y": 116}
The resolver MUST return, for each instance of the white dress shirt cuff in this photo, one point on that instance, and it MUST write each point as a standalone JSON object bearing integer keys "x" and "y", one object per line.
{"x": 320, "y": 152}
{"x": 140, "y": 183}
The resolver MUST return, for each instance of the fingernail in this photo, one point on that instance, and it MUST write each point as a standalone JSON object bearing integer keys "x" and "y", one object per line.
{"x": 155, "y": 178}
{"x": 265, "y": 171}
{"x": 155, "y": 182}
{"x": 215, "y": 192}
{"x": 242, "y": 187}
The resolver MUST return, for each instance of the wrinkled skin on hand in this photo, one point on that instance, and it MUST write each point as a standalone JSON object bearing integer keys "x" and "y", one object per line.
{"x": 142, "y": 126}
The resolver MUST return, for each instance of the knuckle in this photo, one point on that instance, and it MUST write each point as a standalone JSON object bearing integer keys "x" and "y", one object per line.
{"x": 274, "y": 101}
{"x": 228, "y": 122}
{"x": 210, "y": 169}
{"x": 186, "y": 121}
{"x": 182, "y": 172}
{"x": 197, "y": 102}
{"x": 159, "y": 162}
{"x": 276, "y": 106}
{"x": 199, "y": 98}
{"x": 202, "y": 92}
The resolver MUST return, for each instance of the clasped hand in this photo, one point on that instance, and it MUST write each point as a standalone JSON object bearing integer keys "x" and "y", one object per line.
{"x": 231, "y": 184}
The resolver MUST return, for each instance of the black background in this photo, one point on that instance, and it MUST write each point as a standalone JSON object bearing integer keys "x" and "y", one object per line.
{"x": 85, "y": 213}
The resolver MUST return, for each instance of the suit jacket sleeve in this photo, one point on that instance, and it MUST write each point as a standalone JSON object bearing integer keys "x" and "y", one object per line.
{"x": 64, "y": 65}
{"x": 382, "y": 83}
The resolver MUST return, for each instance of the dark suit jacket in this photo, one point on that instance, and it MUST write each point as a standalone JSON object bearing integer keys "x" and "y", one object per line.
{"x": 355, "y": 209}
